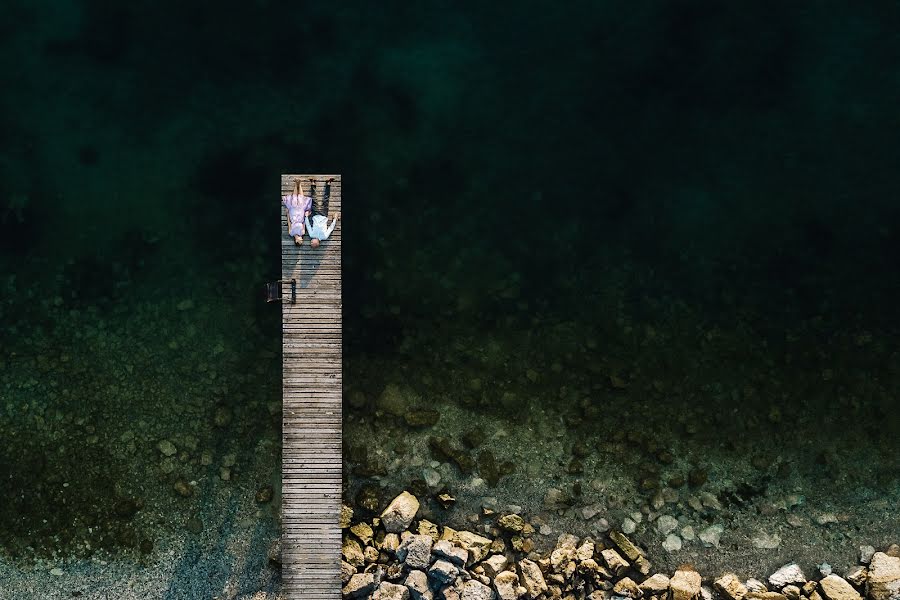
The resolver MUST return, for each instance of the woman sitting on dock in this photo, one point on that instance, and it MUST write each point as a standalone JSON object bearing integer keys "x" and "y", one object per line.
{"x": 298, "y": 208}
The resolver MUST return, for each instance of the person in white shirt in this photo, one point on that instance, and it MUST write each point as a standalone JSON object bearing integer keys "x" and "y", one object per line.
{"x": 319, "y": 229}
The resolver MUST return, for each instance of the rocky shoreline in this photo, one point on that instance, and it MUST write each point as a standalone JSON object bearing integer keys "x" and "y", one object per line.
{"x": 395, "y": 556}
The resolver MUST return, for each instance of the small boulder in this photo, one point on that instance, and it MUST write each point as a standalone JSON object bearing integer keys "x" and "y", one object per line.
{"x": 836, "y": 588}
{"x": 685, "y": 585}
{"x": 884, "y": 577}
{"x": 788, "y": 574}
{"x": 400, "y": 513}
{"x": 730, "y": 586}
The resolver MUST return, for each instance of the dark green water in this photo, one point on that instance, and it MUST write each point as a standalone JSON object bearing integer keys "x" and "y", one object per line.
{"x": 616, "y": 218}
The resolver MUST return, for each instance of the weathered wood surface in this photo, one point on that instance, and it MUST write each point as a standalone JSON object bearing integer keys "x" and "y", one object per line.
{"x": 311, "y": 393}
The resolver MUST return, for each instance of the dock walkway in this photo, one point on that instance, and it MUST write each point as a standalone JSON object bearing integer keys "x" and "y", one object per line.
{"x": 311, "y": 393}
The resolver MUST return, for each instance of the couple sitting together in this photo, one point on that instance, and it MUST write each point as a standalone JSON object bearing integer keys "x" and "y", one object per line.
{"x": 300, "y": 208}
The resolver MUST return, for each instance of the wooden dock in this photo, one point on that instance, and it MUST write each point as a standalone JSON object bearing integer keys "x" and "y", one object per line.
{"x": 311, "y": 392}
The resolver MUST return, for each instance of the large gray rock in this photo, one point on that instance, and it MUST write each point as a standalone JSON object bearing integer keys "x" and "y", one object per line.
{"x": 347, "y": 571}
{"x": 400, "y": 513}
{"x": 884, "y": 577}
{"x": 786, "y": 575}
{"x": 391, "y": 591}
{"x": 475, "y": 590}
{"x": 532, "y": 578}
{"x": 506, "y": 584}
{"x": 477, "y": 546}
{"x": 494, "y": 565}
{"x": 360, "y": 585}
{"x": 443, "y": 571}
{"x": 415, "y": 551}
{"x": 837, "y": 588}
{"x": 445, "y": 549}
{"x": 417, "y": 582}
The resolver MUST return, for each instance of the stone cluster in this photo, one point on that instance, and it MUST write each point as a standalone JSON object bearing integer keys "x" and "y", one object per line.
{"x": 386, "y": 559}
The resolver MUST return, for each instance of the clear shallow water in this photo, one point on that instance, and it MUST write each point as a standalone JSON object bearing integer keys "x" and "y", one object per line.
{"x": 697, "y": 201}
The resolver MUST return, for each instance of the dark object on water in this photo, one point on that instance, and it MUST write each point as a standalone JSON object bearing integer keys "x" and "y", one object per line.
{"x": 273, "y": 291}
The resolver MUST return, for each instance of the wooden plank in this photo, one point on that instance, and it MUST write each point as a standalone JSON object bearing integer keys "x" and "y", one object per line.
{"x": 312, "y": 380}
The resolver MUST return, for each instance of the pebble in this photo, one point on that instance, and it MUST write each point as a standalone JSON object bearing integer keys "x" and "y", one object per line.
{"x": 431, "y": 476}
{"x": 865, "y": 554}
{"x": 712, "y": 535}
{"x": 628, "y": 526}
{"x": 56, "y": 571}
{"x": 666, "y": 524}
{"x": 167, "y": 447}
{"x": 766, "y": 541}
{"x": 687, "y": 533}
{"x": 264, "y": 494}
{"x": 194, "y": 525}
{"x": 672, "y": 543}
{"x": 183, "y": 488}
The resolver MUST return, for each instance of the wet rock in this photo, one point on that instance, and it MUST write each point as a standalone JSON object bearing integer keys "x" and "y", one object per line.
{"x": 391, "y": 591}
{"x": 685, "y": 585}
{"x": 555, "y": 499}
{"x": 476, "y": 590}
{"x": 400, "y": 513}
{"x": 363, "y": 531}
{"x": 666, "y": 524}
{"x": 672, "y": 543}
{"x": 837, "y": 588}
{"x": 487, "y": 468}
{"x": 422, "y": 417}
{"x": 884, "y": 577}
{"x": 697, "y": 477}
{"x": 443, "y": 571}
{"x": 614, "y": 561}
{"x": 396, "y": 400}
{"x": 756, "y": 586}
{"x": 657, "y": 584}
{"x": 346, "y": 516}
{"x": 858, "y": 576}
{"x": 513, "y": 523}
{"x": 712, "y": 535}
{"x": 417, "y": 582}
{"x": 415, "y": 551}
{"x": 506, "y": 584}
{"x": 627, "y": 588}
{"x": 865, "y": 554}
{"x": 347, "y": 571}
{"x": 474, "y": 437}
{"x": 477, "y": 546}
{"x": 532, "y": 578}
{"x": 766, "y": 596}
{"x": 274, "y": 554}
{"x": 789, "y": 573}
{"x": 495, "y": 565}
{"x": 766, "y": 541}
{"x": 352, "y": 553}
{"x": 194, "y": 525}
{"x": 731, "y": 587}
{"x": 446, "y": 550}
{"x": 183, "y": 488}
{"x": 442, "y": 449}
{"x": 791, "y": 592}
{"x": 264, "y": 494}
{"x": 167, "y": 448}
